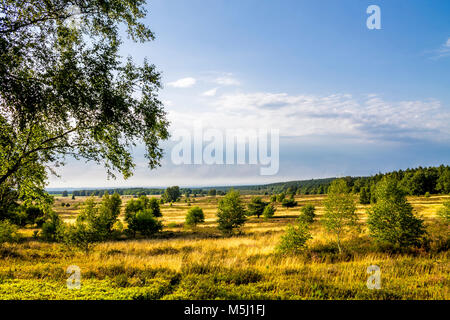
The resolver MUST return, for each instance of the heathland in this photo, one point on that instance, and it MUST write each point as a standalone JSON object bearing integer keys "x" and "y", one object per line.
{"x": 182, "y": 262}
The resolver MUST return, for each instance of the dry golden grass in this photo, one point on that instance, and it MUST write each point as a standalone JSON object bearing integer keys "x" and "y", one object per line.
{"x": 199, "y": 263}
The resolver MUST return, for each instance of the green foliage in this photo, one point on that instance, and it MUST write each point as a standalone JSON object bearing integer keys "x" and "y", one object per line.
{"x": 256, "y": 206}
{"x": 53, "y": 228}
{"x": 364, "y": 196}
{"x": 391, "y": 219}
{"x": 230, "y": 212}
{"x": 212, "y": 192}
{"x": 143, "y": 203}
{"x": 65, "y": 90}
{"x": 444, "y": 212}
{"x": 195, "y": 216}
{"x": 8, "y": 232}
{"x": 307, "y": 213}
{"x": 269, "y": 211}
{"x": 280, "y": 197}
{"x": 295, "y": 238}
{"x": 143, "y": 222}
{"x": 80, "y": 236}
{"x": 289, "y": 203}
{"x": 340, "y": 210}
{"x": 273, "y": 198}
{"x": 101, "y": 218}
{"x": 172, "y": 194}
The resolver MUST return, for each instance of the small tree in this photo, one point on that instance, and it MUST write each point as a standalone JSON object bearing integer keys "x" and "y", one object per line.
{"x": 273, "y": 198}
{"x": 143, "y": 222}
{"x": 53, "y": 228}
{"x": 231, "y": 212}
{"x": 172, "y": 194}
{"x": 340, "y": 210}
{"x": 295, "y": 238}
{"x": 289, "y": 203}
{"x": 8, "y": 232}
{"x": 391, "y": 219}
{"x": 195, "y": 216}
{"x": 364, "y": 196}
{"x": 80, "y": 236}
{"x": 281, "y": 197}
{"x": 444, "y": 212}
{"x": 65, "y": 193}
{"x": 269, "y": 211}
{"x": 307, "y": 213}
{"x": 212, "y": 192}
{"x": 256, "y": 206}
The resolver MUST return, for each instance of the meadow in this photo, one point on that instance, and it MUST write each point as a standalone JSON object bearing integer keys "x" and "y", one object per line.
{"x": 200, "y": 263}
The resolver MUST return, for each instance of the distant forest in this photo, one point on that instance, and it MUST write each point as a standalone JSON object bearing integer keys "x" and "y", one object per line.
{"x": 418, "y": 181}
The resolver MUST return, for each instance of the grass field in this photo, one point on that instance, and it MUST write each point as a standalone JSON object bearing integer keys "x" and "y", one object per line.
{"x": 200, "y": 263}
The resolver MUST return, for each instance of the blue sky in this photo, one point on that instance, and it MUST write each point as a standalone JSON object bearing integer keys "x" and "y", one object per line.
{"x": 347, "y": 100}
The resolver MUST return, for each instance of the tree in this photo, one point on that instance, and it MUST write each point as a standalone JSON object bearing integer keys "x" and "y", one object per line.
{"x": 53, "y": 228}
{"x": 195, "y": 216}
{"x": 280, "y": 197}
{"x": 230, "y": 212}
{"x": 391, "y": 219}
{"x": 101, "y": 218}
{"x": 80, "y": 236}
{"x": 289, "y": 203}
{"x": 256, "y": 206}
{"x": 212, "y": 192}
{"x": 143, "y": 203}
{"x": 143, "y": 222}
{"x": 295, "y": 238}
{"x": 65, "y": 91}
{"x": 172, "y": 194}
{"x": 307, "y": 213}
{"x": 65, "y": 194}
{"x": 269, "y": 211}
{"x": 273, "y": 198}
{"x": 340, "y": 210}
{"x": 364, "y": 196}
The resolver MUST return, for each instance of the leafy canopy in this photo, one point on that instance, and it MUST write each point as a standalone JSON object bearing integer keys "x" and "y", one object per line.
{"x": 66, "y": 91}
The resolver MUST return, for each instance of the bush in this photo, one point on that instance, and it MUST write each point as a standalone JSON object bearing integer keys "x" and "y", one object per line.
{"x": 269, "y": 211}
{"x": 307, "y": 213}
{"x": 101, "y": 218}
{"x": 391, "y": 219}
{"x": 444, "y": 212}
{"x": 295, "y": 238}
{"x": 256, "y": 206}
{"x": 281, "y": 197}
{"x": 289, "y": 203}
{"x": 8, "y": 232}
{"x": 230, "y": 212}
{"x": 364, "y": 196}
{"x": 144, "y": 203}
{"x": 194, "y": 216}
{"x": 80, "y": 236}
{"x": 143, "y": 222}
{"x": 53, "y": 228}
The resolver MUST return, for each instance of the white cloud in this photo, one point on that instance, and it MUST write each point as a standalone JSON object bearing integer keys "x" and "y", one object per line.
{"x": 227, "y": 80}
{"x": 444, "y": 50}
{"x": 360, "y": 118}
{"x": 210, "y": 93}
{"x": 183, "y": 83}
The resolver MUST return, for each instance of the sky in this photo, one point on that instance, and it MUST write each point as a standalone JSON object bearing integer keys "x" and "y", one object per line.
{"x": 346, "y": 99}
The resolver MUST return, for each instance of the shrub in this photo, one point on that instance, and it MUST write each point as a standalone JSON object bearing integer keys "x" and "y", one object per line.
{"x": 273, "y": 198}
{"x": 53, "y": 228}
{"x": 289, "y": 203}
{"x": 144, "y": 203}
{"x": 364, "y": 196}
{"x": 340, "y": 210}
{"x": 143, "y": 222}
{"x": 101, "y": 218}
{"x": 281, "y": 197}
{"x": 295, "y": 238}
{"x": 33, "y": 213}
{"x": 444, "y": 212}
{"x": 427, "y": 194}
{"x": 230, "y": 212}
{"x": 391, "y": 219}
{"x": 269, "y": 211}
{"x": 256, "y": 206}
{"x": 194, "y": 216}
{"x": 307, "y": 213}
{"x": 80, "y": 236}
{"x": 8, "y": 232}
